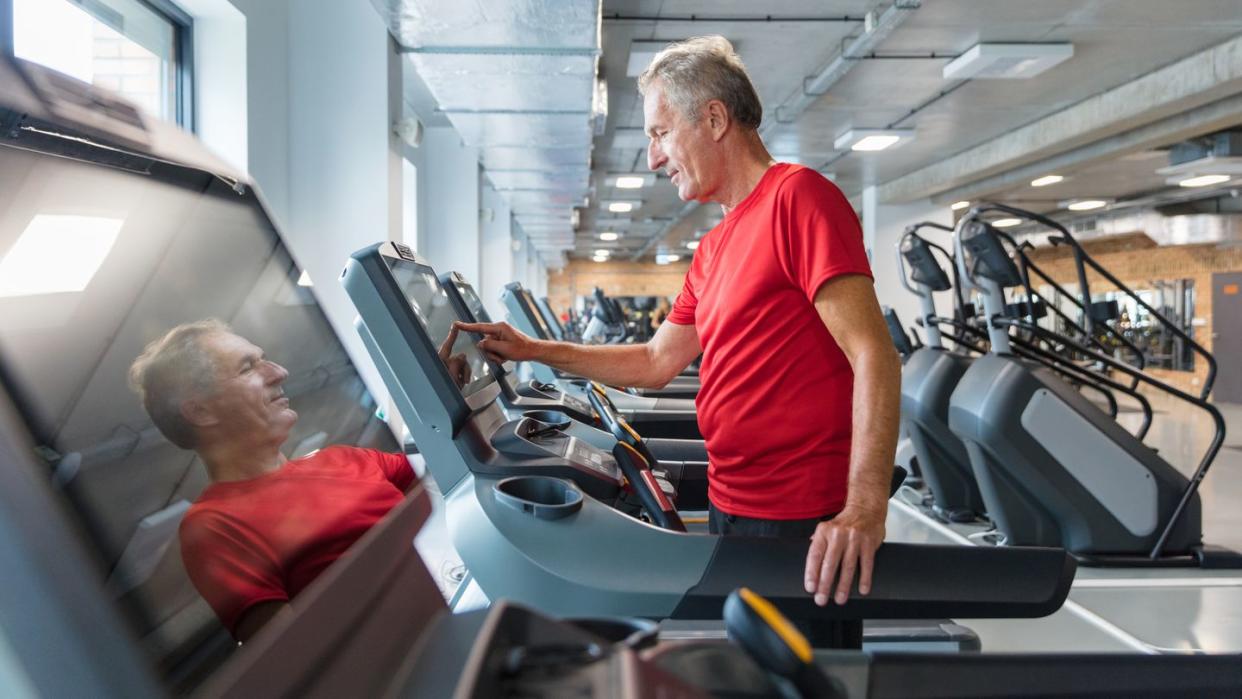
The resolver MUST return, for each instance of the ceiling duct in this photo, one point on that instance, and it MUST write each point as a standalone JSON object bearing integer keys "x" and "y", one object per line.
{"x": 518, "y": 81}
{"x": 1217, "y": 154}
{"x": 1194, "y": 229}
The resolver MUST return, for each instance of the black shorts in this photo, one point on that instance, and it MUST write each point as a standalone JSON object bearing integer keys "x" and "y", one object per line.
{"x": 720, "y": 522}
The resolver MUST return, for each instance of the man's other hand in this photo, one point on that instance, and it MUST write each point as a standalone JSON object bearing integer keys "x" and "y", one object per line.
{"x": 502, "y": 342}
{"x": 841, "y": 547}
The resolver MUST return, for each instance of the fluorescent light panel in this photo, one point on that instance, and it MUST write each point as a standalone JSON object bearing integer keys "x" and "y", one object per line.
{"x": 630, "y": 180}
{"x": 1086, "y": 204}
{"x": 1046, "y": 180}
{"x": 959, "y": 205}
{"x": 1006, "y": 222}
{"x": 57, "y": 254}
{"x": 622, "y": 206}
{"x": 871, "y": 140}
{"x": 1006, "y": 61}
{"x": 609, "y": 236}
{"x": 1203, "y": 180}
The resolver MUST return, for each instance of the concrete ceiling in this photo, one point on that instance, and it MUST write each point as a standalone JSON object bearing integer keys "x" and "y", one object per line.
{"x": 1115, "y": 42}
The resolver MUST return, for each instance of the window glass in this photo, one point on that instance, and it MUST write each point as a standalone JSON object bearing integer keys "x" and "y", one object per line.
{"x": 120, "y": 45}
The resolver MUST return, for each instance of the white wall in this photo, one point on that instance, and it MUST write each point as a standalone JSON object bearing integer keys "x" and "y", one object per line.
{"x": 220, "y": 103}
{"x": 319, "y": 85}
{"x": 882, "y": 228}
{"x": 496, "y": 250}
{"x": 449, "y": 205}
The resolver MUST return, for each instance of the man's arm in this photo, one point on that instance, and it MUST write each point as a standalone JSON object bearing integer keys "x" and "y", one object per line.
{"x": 847, "y": 543}
{"x": 647, "y": 365}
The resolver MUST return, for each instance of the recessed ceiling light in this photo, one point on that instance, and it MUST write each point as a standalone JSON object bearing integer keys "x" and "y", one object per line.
{"x": 621, "y": 207}
{"x": 600, "y": 258}
{"x": 1006, "y": 222}
{"x": 871, "y": 140}
{"x": 1203, "y": 180}
{"x": 693, "y": 245}
{"x": 959, "y": 205}
{"x": 630, "y": 182}
{"x": 1046, "y": 180}
{"x": 603, "y": 253}
{"x": 672, "y": 258}
{"x": 608, "y": 236}
{"x": 1086, "y": 204}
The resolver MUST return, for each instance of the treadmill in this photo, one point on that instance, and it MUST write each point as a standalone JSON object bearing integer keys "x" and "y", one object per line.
{"x": 683, "y": 462}
{"x": 521, "y": 312}
{"x": 542, "y": 517}
{"x": 550, "y": 319}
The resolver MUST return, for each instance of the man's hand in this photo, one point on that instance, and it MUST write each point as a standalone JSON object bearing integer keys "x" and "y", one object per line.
{"x": 458, "y": 367}
{"x": 502, "y": 342}
{"x": 840, "y": 547}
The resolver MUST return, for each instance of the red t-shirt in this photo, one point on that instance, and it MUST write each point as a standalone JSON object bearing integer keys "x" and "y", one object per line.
{"x": 775, "y": 402}
{"x": 245, "y": 542}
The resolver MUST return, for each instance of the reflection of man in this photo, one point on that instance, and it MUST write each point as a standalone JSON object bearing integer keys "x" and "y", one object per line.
{"x": 800, "y": 382}
{"x": 265, "y": 526}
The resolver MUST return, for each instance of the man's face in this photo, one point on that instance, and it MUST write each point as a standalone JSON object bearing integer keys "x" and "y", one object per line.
{"x": 680, "y": 147}
{"x": 248, "y": 401}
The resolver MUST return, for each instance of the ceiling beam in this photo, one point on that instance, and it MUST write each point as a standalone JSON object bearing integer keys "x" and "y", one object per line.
{"x": 1192, "y": 82}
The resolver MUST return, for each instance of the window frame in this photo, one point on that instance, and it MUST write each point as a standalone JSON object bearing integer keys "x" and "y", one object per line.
{"x": 182, "y": 25}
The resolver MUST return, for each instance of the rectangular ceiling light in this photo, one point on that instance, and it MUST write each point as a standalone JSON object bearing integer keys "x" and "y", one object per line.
{"x": 57, "y": 254}
{"x": 641, "y": 53}
{"x": 1006, "y": 61}
{"x": 630, "y": 180}
{"x": 1046, "y": 180}
{"x": 869, "y": 140}
{"x": 621, "y": 206}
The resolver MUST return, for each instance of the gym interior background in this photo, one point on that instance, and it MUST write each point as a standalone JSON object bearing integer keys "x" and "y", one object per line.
{"x": 361, "y": 121}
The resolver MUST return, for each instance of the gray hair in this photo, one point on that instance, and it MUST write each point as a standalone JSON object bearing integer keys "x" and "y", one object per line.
{"x": 173, "y": 369}
{"x": 695, "y": 71}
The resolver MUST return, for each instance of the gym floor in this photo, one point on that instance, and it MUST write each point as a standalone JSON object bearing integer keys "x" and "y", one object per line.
{"x": 1169, "y": 610}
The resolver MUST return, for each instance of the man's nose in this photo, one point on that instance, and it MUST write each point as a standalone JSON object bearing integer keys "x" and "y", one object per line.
{"x": 276, "y": 373}
{"x": 655, "y": 157}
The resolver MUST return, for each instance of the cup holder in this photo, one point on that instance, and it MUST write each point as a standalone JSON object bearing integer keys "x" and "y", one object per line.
{"x": 549, "y": 417}
{"x": 635, "y": 634}
{"x": 543, "y": 497}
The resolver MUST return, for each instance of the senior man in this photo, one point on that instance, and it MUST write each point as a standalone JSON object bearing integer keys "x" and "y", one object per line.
{"x": 265, "y": 526}
{"x": 800, "y": 382}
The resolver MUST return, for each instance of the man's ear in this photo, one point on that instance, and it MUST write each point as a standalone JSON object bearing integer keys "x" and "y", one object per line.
{"x": 717, "y": 118}
{"x": 198, "y": 413}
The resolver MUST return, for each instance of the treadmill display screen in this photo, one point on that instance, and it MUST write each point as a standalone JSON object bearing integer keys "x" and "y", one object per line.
{"x": 532, "y": 309}
{"x": 429, "y": 301}
{"x": 473, "y": 302}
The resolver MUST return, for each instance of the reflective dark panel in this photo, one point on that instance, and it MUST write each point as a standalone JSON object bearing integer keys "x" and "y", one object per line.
{"x": 96, "y": 262}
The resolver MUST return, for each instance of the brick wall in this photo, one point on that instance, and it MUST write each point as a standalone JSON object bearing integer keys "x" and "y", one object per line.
{"x": 1136, "y": 260}
{"x": 617, "y": 278}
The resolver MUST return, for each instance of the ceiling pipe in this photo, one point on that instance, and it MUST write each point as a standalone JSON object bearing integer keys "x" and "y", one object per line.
{"x": 877, "y": 28}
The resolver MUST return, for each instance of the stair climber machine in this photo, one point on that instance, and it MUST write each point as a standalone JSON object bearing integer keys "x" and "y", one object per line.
{"x": 672, "y": 417}
{"x": 538, "y": 516}
{"x": 1054, "y": 469}
{"x": 682, "y": 462}
{"x": 929, "y": 379}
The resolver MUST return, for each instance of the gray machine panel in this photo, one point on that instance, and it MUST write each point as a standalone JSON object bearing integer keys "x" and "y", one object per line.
{"x": 1127, "y": 489}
